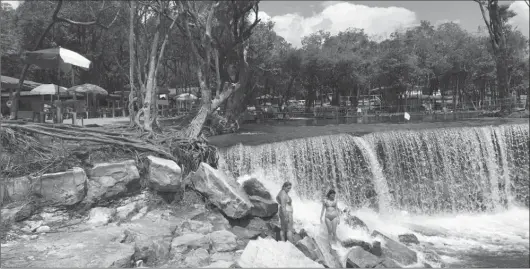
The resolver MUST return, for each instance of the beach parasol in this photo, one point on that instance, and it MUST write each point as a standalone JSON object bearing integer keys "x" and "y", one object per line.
{"x": 57, "y": 58}
{"x": 186, "y": 97}
{"x": 12, "y": 83}
{"x": 60, "y": 58}
{"x": 47, "y": 89}
{"x": 86, "y": 89}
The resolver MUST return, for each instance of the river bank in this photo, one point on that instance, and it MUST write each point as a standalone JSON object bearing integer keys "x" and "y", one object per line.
{"x": 104, "y": 218}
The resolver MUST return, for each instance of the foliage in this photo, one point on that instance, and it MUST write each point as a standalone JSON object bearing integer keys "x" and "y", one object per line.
{"x": 443, "y": 59}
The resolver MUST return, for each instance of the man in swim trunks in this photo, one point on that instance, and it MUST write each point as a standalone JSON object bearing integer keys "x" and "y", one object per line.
{"x": 285, "y": 212}
{"x": 329, "y": 206}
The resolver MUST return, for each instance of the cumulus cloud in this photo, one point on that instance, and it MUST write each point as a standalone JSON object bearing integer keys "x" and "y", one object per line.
{"x": 14, "y": 4}
{"x": 521, "y": 20}
{"x": 338, "y": 16}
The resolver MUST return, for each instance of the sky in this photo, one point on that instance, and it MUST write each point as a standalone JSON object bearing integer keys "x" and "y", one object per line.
{"x": 296, "y": 19}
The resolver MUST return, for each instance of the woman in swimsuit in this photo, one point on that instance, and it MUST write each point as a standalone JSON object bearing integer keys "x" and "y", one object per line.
{"x": 286, "y": 212}
{"x": 329, "y": 205}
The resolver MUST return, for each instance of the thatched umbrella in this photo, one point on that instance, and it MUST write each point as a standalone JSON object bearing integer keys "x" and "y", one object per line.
{"x": 87, "y": 89}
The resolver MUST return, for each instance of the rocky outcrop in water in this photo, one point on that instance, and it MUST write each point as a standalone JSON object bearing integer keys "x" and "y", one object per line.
{"x": 263, "y": 205}
{"x": 220, "y": 190}
{"x": 134, "y": 230}
{"x": 396, "y": 250}
{"x": 408, "y": 239}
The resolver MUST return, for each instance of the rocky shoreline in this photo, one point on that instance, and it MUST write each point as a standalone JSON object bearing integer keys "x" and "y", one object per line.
{"x": 102, "y": 217}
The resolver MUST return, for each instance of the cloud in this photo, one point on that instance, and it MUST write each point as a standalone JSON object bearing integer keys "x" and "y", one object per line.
{"x": 14, "y": 4}
{"x": 521, "y": 20}
{"x": 338, "y": 16}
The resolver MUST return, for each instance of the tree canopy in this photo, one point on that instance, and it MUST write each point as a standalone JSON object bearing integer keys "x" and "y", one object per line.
{"x": 223, "y": 48}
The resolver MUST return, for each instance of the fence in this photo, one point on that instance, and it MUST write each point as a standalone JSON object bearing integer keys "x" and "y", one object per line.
{"x": 395, "y": 113}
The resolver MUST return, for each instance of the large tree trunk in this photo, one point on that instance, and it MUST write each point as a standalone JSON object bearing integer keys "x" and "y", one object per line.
{"x": 151, "y": 98}
{"x": 502, "y": 82}
{"x": 195, "y": 127}
{"x": 496, "y": 29}
{"x": 132, "y": 59}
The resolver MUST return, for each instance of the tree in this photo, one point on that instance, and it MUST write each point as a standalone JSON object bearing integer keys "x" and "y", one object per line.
{"x": 496, "y": 20}
{"x": 132, "y": 60}
{"x": 164, "y": 16}
{"x": 55, "y": 19}
{"x": 218, "y": 30}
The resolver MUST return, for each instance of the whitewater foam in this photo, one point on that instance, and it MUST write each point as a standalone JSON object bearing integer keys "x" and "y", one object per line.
{"x": 463, "y": 191}
{"x": 454, "y": 234}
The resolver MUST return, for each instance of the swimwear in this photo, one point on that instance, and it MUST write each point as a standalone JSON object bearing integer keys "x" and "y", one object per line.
{"x": 331, "y": 209}
{"x": 286, "y": 216}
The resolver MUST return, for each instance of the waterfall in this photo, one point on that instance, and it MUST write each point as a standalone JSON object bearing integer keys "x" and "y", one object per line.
{"x": 421, "y": 171}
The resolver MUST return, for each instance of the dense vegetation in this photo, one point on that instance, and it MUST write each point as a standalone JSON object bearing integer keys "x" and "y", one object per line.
{"x": 223, "y": 48}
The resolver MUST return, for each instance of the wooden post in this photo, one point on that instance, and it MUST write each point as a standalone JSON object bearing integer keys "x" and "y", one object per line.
{"x": 59, "y": 117}
{"x": 74, "y": 114}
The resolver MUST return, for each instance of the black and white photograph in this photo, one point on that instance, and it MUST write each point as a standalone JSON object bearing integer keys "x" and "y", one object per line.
{"x": 264, "y": 134}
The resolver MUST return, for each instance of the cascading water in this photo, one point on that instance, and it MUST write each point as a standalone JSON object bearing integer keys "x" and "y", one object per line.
{"x": 436, "y": 177}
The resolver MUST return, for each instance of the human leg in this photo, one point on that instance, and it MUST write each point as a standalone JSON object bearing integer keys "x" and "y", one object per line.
{"x": 290, "y": 227}
{"x": 334, "y": 224}
{"x": 329, "y": 227}
{"x": 283, "y": 227}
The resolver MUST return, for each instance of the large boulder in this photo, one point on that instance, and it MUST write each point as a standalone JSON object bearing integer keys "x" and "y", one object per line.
{"x": 223, "y": 241}
{"x": 396, "y": 250}
{"x": 212, "y": 217}
{"x": 109, "y": 180}
{"x": 408, "y": 239}
{"x": 253, "y": 187}
{"x": 359, "y": 258}
{"x": 99, "y": 248}
{"x": 220, "y": 190}
{"x": 63, "y": 188}
{"x": 182, "y": 244}
{"x": 268, "y": 253}
{"x": 348, "y": 243}
{"x": 17, "y": 211}
{"x": 164, "y": 175}
{"x": 251, "y": 228}
{"x": 263, "y": 204}
{"x": 262, "y": 207}
{"x": 309, "y": 247}
{"x": 16, "y": 189}
{"x": 356, "y": 223}
{"x": 325, "y": 247}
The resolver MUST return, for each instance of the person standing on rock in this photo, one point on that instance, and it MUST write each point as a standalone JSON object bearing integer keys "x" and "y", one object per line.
{"x": 285, "y": 212}
{"x": 329, "y": 206}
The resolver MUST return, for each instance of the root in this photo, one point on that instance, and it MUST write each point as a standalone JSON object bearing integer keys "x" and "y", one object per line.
{"x": 92, "y": 137}
{"x": 30, "y": 152}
